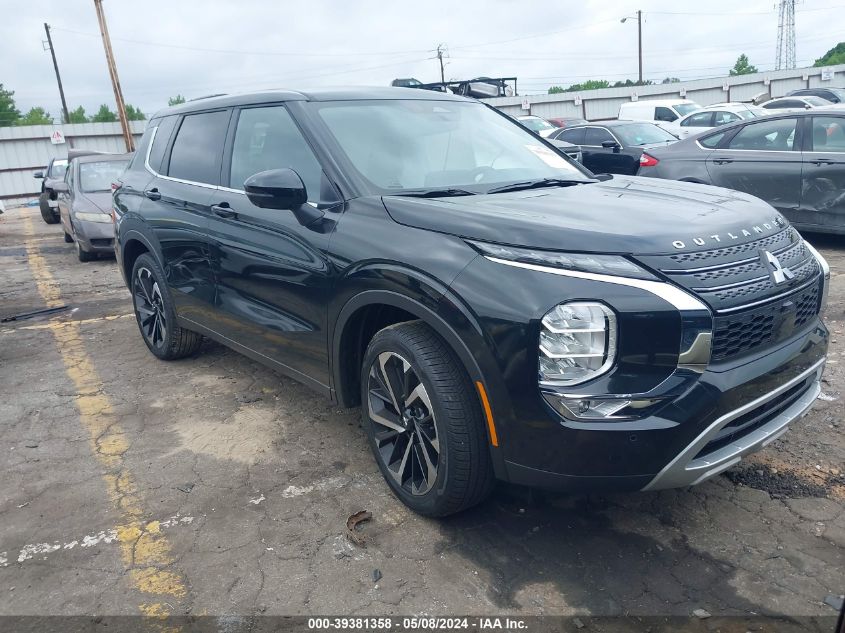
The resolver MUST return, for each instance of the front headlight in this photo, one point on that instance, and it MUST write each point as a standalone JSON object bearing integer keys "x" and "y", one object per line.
{"x": 87, "y": 216}
{"x": 577, "y": 343}
{"x": 825, "y": 273}
{"x": 615, "y": 265}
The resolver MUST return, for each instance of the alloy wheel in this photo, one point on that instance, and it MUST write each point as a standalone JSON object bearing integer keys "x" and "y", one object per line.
{"x": 404, "y": 427}
{"x": 149, "y": 306}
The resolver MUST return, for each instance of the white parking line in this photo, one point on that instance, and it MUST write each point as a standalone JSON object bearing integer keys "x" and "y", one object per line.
{"x": 41, "y": 550}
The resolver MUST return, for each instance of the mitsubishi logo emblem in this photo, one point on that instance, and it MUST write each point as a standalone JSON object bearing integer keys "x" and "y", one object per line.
{"x": 779, "y": 274}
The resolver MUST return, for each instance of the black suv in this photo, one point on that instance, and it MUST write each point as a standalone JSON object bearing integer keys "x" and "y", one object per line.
{"x": 497, "y": 311}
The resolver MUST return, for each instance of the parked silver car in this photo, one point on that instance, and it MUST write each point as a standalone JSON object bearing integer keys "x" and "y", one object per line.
{"x": 85, "y": 202}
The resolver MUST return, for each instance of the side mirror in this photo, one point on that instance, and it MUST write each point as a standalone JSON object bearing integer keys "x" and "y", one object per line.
{"x": 276, "y": 189}
{"x": 59, "y": 187}
{"x": 807, "y": 106}
{"x": 38, "y": 174}
{"x": 611, "y": 145}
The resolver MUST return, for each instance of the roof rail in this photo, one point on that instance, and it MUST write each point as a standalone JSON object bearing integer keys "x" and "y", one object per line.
{"x": 219, "y": 94}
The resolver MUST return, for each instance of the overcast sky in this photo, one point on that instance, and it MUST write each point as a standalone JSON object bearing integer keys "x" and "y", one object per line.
{"x": 200, "y": 47}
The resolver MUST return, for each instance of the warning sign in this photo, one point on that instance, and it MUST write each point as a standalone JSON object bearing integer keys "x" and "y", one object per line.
{"x": 57, "y": 137}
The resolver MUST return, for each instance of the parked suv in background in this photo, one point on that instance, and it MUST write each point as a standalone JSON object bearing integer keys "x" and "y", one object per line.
{"x": 496, "y": 310}
{"x": 834, "y": 95}
{"x": 47, "y": 200}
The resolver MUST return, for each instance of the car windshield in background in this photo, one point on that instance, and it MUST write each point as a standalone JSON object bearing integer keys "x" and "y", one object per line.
{"x": 817, "y": 101}
{"x": 642, "y": 134}
{"x": 100, "y": 176}
{"x": 750, "y": 114}
{"x": 58, "y": 169}
{"x": 535, "y": 125}
{"x": 686, "y": 108}
{"x": 415, "y": 145}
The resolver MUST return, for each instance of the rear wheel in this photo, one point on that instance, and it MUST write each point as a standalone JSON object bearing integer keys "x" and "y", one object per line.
{"x": 156, "y": 315}
{"x": 424, "y": 421}
{"x": 47, "y": 212}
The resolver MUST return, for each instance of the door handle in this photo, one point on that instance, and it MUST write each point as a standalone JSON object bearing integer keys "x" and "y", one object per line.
{"x": 822, "y": 161}
{"x": 152, "y": 194}
{"x": 223, "y": 210}
{"x": 722, "y": 160}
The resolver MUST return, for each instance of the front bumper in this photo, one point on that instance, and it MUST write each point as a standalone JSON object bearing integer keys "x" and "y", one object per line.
{"x": 94, "y": 237}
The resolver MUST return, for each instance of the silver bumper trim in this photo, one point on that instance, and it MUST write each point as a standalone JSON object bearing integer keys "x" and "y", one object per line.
{"x": 687, "y": 470}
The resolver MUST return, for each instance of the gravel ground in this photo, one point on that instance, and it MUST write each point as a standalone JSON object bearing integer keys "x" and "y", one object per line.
{"x": 214, "y": 486}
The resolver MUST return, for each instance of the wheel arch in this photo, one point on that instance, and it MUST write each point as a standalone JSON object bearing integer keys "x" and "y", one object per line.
{"x": 133, "y": 245}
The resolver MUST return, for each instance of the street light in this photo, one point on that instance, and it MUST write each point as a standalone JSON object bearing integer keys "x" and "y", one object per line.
{"x": 639, "y": 17}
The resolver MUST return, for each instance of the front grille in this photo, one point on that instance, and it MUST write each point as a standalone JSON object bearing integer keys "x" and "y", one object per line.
{"x": 746, "y": 330}
{"x": 750, "y": 310}
{"x": 748, "y": 422}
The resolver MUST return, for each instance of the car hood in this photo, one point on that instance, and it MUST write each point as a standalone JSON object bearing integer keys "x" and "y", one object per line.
{"x": 627, "y": 215}
{"x": 96, "y": 201}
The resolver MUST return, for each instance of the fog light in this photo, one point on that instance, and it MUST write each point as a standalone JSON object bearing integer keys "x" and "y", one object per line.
{"x": 600, "y": 408}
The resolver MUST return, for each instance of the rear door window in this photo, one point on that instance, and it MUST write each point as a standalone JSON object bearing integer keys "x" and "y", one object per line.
{"x": 700, "y": 119}
{"x": 773, "y": 136}
{"x": 829, "y": 134}
{"x": 574, "y": 136}
{"x": 721, "y": 118}
{"x": 198, "y": 147}
{"x": 597, "y": 135}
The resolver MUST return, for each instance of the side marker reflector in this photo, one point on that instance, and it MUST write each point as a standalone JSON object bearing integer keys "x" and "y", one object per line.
{"x": 488, "y": 413}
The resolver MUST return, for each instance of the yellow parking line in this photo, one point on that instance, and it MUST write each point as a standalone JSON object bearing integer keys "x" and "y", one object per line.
{"x": 57, "y": 324}
{"x": 146, "y": 552}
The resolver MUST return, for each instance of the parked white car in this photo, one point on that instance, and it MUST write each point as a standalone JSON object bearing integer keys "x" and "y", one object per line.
{"x": 661, "y": 112}
{"x": 713, "y": 116}
{"x": 795, "y": 104}
{"x": 536, "y": 124}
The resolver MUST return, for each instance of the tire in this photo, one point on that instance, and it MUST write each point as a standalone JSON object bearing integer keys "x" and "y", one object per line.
{"x": 441, "y": 421}
{"x": 68, "y": 238}
{"x": 83, "y": 255}
{"x": 46, "y": 211}
{"x": 155, "y": 313}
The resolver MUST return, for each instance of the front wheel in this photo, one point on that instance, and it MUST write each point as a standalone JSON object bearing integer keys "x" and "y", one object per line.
{"x": 81, "y": 253}
{"x": 47, "y": 213}
{"x": 156, "y": 315}
{"x": 424, "y": 421}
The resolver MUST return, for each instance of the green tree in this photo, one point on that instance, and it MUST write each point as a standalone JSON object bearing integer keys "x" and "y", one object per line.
{"x": 671, "y": 80}
{"x": 134, "y": 114}
{"x": 172, "y": 101}
{"x": 36, "y": 116}
{"x": 835, "y": 55}
{"x": 742, "y": 66}
{"x": 9, "y": 114}
{"x": 78, "y": 115}
{"x": 104, "y": 115}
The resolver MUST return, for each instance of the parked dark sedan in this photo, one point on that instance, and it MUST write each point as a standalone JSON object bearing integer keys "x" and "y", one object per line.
{"x": 614, "y": 147}
{"x": 85, "y": 203}
{"x": 795, "y": 162}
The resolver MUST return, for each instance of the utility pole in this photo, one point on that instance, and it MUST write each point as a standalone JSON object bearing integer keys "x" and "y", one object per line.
{"x": 440, "y": 49}
{"x": 66, "y": 118}
{"x": 639, "y": 41}
{"x": 115, "y": 81}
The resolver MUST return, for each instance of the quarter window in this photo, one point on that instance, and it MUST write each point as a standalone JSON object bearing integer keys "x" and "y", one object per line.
{"x": 198, "y": 146}
{"x": 163, "y": 133}
{"x": 773, "y": 136}
{"x": 828, "y": 134}
{"x": 267, "y": 138}
{"x": 712, "y": 141}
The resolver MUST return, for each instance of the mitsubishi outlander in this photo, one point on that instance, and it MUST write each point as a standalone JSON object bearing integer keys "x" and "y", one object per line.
{"x": 497, "y": 311}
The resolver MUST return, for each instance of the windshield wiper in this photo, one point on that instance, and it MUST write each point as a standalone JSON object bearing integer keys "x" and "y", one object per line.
{"x": 536, "y": 184}
{"x": 434, "y": 193}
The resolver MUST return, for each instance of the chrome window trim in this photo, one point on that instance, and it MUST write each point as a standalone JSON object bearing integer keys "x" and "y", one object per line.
{"x": 680, "y": 299}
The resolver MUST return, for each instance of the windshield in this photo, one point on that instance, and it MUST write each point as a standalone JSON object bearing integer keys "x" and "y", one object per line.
{"x": 751, "y": 114}
{"x": 58, "y": 169}
{"x": 535, "y": 125}
{"x": 642, "y": 134}
{"x": 817, "y": 101}
{"x": 687, "y": 108}
{"x": 100, "y": 176}
{"x": 414, "y": 144}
